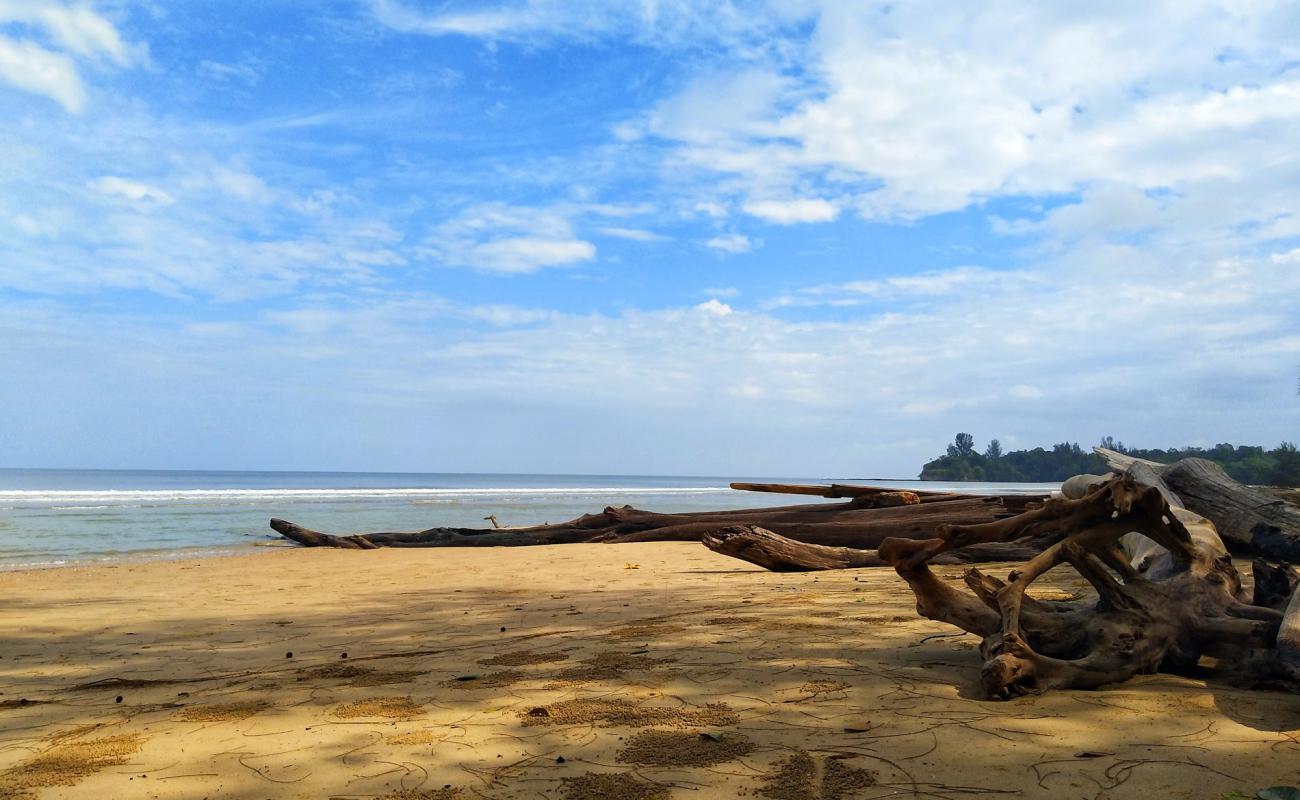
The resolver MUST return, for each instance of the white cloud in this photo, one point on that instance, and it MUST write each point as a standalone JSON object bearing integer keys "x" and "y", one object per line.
{"x": 509, "y": 239}
{"x": 32, "y": 68}
{"x": 634, "y": 234}
{"x": 715, "y": 307}
{"x": 790, "y": 212}
{"x": 131, "y": 190}
{"x": 967, "y": 281}
{"x": 734, "y": 243}
{"x": 78, "y": 30}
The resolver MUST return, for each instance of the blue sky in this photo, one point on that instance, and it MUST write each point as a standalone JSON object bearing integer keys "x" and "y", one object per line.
{"x": 778, "y": 237}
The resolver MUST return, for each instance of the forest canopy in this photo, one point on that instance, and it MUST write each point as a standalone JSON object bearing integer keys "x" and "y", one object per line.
{"x": 963, "y": 462}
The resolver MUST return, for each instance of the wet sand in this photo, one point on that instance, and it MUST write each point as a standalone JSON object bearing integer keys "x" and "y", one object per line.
{"x": 579, "y": 671}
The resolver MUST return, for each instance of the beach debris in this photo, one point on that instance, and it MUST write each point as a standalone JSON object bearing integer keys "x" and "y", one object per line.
{"x": 630, "y": 565}
{"x": 1166, "y": 592}
{"x": 864, "y": 520}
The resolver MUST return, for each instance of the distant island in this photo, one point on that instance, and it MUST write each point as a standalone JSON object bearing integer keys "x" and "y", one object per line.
{"x": 1253, "y": 465}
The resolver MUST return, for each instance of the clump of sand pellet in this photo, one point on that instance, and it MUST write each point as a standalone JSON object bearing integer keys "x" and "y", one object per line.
{"x": 413, "y": 737}
{"x": 841, "y": 780}
{"x": 445, "y": 793}
{"x": 814, "y": 688}
{"x": 66, "y": 763}
{"x": 354, "y": 675}
{"x": 616, "y": 712}
{"x": 223, "y": 712}
{"x": 386, "y": 707}
{"x": 644, "y": 631}
{"x": 606, "y": 666}
{"x": 657, "y": 748}
{"x": 610, "y": 786}
{"x": 797, "y": 778}
{"x": 728, "y": 620}
{"x": 523, "y": 658}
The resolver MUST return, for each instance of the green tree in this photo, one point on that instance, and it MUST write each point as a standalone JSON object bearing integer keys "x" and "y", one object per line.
{"x": 962, "y": 445}
{"x": 994, "y": 451}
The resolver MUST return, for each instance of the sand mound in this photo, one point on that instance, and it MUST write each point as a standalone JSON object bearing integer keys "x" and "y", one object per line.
{"x": 683, "y": 749}
{"x": 801, "y": 777}
{"x": 65, "y": 764}
{"x": 386, "y": 707}
{"x": 611, "y": 786}
{"x": 616, "y": 711}
{"x": 223, "y": 712}
{"x": 522, "y": 658}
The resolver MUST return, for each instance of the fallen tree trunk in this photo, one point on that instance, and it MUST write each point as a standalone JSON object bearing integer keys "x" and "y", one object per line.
{"x": 1250, "y": 520}
{"x": 1162, "y": 619}
{"x": 862, "y": 522}
{"x": 779, "y": 554}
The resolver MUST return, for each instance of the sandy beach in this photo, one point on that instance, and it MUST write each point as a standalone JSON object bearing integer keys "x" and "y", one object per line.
{"x": 578, "y": 672}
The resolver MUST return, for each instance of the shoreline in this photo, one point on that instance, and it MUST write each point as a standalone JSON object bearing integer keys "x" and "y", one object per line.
{"x": 524, "y": 672}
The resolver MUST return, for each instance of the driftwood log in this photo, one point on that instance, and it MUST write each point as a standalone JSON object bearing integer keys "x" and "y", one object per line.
{"x": 1162, "y": 609}
{"x": 868, "y": 518}
{"x": 1250, "y": 520}
{"x": 780, "y": 554}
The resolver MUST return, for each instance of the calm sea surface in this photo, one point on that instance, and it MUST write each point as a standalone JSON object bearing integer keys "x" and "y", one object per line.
{"x": 56, "y": 517}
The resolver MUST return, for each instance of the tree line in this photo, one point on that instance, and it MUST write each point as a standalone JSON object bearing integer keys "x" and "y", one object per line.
{"x": 963, "y": 462}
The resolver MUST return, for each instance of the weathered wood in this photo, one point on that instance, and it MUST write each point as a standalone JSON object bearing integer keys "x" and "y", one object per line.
{"x": 1250, "y": 520}
{"x": 779, "y": 554}
{"x": 860, "y": 522}
{"x": 834, "y": 490}
{"x": 1140, "y": 622}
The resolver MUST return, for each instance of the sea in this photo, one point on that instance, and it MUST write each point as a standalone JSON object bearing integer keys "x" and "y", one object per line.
{"x": 59, "y": 517}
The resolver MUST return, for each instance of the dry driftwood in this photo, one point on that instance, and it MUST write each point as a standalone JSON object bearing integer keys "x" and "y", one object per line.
{"x": 1249, "y": 519}
{"x": 1186, "y": 604}
{"x": 862, "y": 522}
{"x": 779, "y": 554}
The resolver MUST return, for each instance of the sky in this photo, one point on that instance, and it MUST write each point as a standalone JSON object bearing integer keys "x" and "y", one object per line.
{"x": 654, "y": 237}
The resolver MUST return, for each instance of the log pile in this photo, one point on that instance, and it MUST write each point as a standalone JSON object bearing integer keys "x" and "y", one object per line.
{"x": 1152, "y": 540}
{"x": 1167, "y": 594}
{"x": 869, "y": 516}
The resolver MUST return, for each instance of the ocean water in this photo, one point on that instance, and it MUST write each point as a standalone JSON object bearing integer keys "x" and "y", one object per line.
{"x": 58, "y": 517}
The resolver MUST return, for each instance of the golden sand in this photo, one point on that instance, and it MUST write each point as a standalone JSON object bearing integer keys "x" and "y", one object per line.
{"x": 554, "y": 672}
